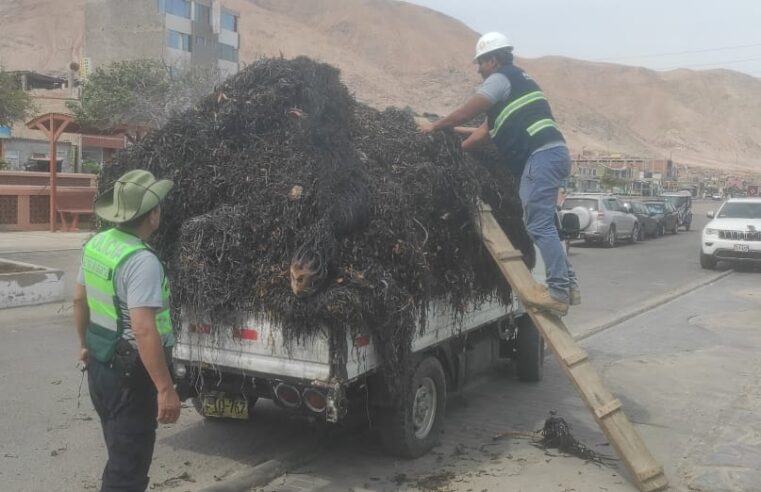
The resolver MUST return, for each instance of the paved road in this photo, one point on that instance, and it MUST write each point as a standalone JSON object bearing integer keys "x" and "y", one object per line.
{"x": 670, "y": 370}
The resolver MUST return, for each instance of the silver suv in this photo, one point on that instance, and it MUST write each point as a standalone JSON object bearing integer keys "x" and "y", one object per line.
{"x": 602, "y": 218}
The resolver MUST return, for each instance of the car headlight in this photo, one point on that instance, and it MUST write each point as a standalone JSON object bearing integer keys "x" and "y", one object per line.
{"x": 710, "y": 232}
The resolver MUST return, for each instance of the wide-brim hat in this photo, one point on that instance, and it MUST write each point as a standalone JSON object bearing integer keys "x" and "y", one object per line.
{"x": 133, "y": 195}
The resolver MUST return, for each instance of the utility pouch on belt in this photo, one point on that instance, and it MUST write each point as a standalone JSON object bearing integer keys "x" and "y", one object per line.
{"x": 126, "y": 362}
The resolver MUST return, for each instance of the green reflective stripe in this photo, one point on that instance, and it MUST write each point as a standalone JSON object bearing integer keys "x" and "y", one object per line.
{"x": 541, "y": 125}
{"x": 164, "y": 322}
{"x": 103, "y": 321}
{"x": 515, "y": 106}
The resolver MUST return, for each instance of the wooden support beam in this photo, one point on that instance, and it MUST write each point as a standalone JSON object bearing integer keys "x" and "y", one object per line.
{"x": 607, "y": 410}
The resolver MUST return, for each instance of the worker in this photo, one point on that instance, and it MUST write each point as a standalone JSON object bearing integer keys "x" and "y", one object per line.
{"x": 520, "y": 123}
{"x": 121, "y": 311}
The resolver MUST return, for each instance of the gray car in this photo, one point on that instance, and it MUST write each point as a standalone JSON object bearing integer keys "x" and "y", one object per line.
{"x": 602, "y": 218}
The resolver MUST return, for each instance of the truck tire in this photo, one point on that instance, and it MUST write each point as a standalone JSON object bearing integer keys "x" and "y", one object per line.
{"x": 410, "y": 428}
{"x": 529, "y": 364}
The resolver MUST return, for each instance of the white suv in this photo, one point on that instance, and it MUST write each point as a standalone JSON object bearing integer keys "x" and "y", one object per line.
{"x": 734, "y": 234}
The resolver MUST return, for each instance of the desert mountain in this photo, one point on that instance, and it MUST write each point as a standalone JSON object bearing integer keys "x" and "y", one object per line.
{"x": 395, "y": 53}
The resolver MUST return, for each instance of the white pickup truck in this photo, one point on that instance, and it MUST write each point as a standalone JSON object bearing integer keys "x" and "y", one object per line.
{"x": 227, "y": 371}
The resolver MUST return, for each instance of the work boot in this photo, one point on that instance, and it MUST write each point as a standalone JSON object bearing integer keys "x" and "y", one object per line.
{"x": 575, "y": 296}
{"x": 539, "y": 297}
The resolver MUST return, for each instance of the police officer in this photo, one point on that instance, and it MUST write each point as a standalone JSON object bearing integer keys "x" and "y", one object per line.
{"x": 520, "y": 123}
{"x": 121, "y": 309}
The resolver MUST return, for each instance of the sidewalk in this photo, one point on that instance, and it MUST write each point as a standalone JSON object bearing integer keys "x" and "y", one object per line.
{"x": 59, "y": 250}
{"x": 39, "y": 241}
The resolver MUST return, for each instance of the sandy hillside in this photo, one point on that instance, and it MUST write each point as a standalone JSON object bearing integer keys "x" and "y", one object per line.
{"x": 394, "y": 53}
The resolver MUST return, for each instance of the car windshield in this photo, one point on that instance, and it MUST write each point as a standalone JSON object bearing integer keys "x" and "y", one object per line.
{"x": 677, "y": 201}
{"x": 741, "y": 210}
{"x": 656, "y": 207}
{"x": 588, "y": 203}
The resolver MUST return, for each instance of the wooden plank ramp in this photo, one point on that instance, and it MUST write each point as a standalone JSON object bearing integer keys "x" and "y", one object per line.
{"x": 608, "y": 412}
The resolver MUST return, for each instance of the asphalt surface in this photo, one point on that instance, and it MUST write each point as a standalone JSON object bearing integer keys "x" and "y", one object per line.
{"x": 687, "y": 372}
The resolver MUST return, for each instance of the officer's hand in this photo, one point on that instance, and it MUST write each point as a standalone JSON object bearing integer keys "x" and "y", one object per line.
{"x": 84, "y": 357}
{"x": 169, "y": 406}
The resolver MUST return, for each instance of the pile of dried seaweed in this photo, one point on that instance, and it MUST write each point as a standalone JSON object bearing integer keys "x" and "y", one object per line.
{"x": 556, "y": 434}
{"x": 282, "y": 167}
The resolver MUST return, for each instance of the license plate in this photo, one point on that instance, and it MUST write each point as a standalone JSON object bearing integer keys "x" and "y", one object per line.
{"x": 743, "y": 248}
{"x": 221, "y": 406}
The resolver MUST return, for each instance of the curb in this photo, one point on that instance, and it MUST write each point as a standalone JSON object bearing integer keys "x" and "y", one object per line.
{"x": 263, "y": 473}
{"x": 650, "y": 305}
{"x": 259, "y": 475}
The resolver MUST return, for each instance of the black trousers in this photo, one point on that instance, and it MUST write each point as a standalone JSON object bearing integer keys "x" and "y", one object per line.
{"x": 128, "y": 418}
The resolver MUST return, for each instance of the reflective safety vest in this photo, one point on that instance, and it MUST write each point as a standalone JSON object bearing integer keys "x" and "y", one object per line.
{"x": 102, "y": 257}
{"x": 524, "y": 122}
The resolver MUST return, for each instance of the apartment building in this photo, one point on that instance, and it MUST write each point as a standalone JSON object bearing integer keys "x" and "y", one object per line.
{"x": 179, "y": 32}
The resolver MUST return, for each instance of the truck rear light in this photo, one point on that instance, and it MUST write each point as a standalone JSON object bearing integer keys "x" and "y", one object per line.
{"x": 362, "y": 341}
{"x": 205, "y": 329}
{"x": 314, "y": 400}
{"x": 288, "y": 395}
{"x": 245, "y": 334}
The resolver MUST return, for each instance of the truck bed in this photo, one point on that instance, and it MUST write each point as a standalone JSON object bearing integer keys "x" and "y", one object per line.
{"x": 258, "y": 349}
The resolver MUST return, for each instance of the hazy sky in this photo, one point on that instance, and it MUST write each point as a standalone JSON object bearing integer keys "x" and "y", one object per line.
{"x": 658, "y": 34}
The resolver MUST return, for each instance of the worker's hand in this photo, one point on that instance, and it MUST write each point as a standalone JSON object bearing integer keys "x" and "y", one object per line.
{"x": 84, "y": 357}
{"x": 169, "y": 406}
{"x": 426, "y": 128}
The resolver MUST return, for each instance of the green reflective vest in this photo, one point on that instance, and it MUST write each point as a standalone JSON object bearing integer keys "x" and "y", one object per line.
{"x": 102, "y": 256}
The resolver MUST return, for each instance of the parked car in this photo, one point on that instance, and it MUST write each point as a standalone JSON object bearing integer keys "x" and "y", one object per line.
{"x": 665, "y": 213}
{"x": 682, "y": 202}
{"x": 648, "y": 224}
{"x": 602, "y": 218}
{"x": 734, "y": 234}
{"x": 716, "y": 197}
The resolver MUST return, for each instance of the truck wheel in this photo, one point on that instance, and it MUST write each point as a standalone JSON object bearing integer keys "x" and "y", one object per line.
{"x": 530, "y": 347}
{"x": 707, "y": 262}
{"x": 410, "y": 428}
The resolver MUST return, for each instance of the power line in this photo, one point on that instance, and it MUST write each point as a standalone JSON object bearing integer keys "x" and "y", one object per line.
{"x": 675, "y": 53}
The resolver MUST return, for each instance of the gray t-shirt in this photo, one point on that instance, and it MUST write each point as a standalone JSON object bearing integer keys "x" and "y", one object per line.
{"x": 496, "y": 88}
{"x": 138, "y": 284}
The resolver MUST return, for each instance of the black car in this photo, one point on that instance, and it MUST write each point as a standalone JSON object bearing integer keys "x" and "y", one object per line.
{"x": 666, "y": 215}
{"x": 648, "y": 224}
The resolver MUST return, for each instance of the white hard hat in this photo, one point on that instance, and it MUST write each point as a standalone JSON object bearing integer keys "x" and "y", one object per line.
{"x": 491, "y": 41}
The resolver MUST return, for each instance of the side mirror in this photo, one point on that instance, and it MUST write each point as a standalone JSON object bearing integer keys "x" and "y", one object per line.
{"x": 709, "y": 214}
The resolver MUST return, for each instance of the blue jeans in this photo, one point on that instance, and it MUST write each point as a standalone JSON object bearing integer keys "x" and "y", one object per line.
{"x": 541, "y": 179}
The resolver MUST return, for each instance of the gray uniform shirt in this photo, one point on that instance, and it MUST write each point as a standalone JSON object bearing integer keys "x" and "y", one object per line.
{"x": 496, "y": 88}
{"x": 138, "y": 284}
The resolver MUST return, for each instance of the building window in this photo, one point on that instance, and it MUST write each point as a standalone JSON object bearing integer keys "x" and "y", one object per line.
{"x": 228, "y": 53}
{"x": 201, "y": 41}
{"x": 179, "y": 41}
{"x": 180, "y": 8}
{"x": 229, "y": 22}
{"x": 13, "y": 158}
{"x": 202, "y": 14}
